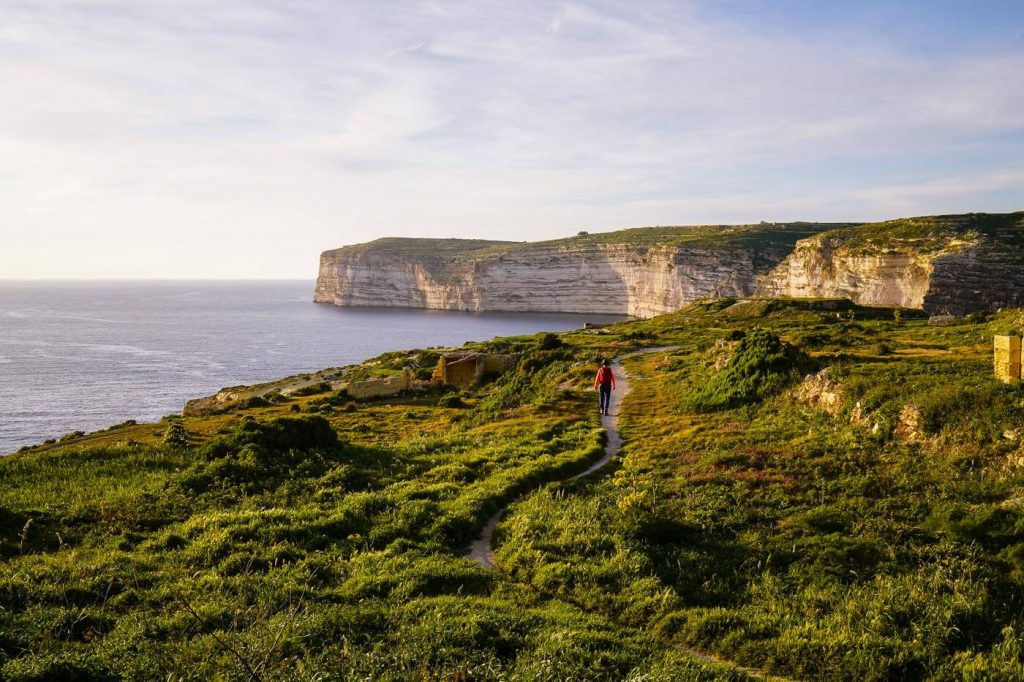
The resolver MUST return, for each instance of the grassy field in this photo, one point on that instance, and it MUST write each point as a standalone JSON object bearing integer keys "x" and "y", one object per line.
{"x": 865, "y": 524}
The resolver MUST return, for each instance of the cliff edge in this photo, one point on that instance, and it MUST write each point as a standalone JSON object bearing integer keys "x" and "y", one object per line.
{"x": 950, "y": 264}
{"x": 640, "y": 272}
{"x": 941, "y": 264}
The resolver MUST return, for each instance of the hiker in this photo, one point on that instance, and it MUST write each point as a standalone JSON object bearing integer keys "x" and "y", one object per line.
{"x": 604, "y": 383}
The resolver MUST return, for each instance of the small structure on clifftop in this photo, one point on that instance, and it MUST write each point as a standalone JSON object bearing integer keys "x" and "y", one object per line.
{"x": 1007, "y": 358}
{"x": 465, "y": 369}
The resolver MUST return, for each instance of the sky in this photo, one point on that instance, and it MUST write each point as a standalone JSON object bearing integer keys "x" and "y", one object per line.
{"x": 220, "y": 139}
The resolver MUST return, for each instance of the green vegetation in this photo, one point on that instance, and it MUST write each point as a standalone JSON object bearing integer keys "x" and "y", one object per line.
{"x": 1002, "y": 233}
{"x": 319, "y": 536}
{"x": 769, "y": 237}
{"x": 759, "y": 366}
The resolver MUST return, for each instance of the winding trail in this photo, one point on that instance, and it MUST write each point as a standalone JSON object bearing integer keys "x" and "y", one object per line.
{"x": 481, "y": 550}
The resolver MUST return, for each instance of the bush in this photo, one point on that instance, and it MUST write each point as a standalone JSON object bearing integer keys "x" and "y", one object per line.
{"x": 451, "y": 400}
{"x": 176, "y": 435}
{"x": 312, "y": 389}
{"x": 253, "y": 401}
{"x": 549, "y": 341}
{"x": 761, "y": 365}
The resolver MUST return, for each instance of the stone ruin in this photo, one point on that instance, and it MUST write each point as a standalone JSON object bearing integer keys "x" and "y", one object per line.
{"x": 1007, "y": 358}
{"x": 371, "y": 388}
{"x": 462, "y": 370}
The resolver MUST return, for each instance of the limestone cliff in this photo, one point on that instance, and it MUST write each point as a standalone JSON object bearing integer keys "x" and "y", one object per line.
{"x": 641, "y": 272}
{"x": 942, "y": 264}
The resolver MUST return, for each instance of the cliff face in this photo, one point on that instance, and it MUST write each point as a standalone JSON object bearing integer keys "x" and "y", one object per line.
{"x": 940, "y": 264}
{"x": 943, "y": 264}
{"x": 576, "y": 275}
{"x": 822, "y": 268}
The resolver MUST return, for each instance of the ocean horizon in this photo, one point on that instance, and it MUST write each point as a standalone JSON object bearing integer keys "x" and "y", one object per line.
{"x": 87, "y": 354}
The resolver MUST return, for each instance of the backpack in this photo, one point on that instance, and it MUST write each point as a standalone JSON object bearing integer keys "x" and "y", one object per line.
{"x": 604, "y": 375}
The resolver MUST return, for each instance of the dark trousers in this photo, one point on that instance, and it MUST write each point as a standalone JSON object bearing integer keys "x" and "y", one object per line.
{"x": 606, "y": 397}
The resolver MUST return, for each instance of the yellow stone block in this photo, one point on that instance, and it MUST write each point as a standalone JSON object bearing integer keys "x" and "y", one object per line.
{"x": 1007, "y": 343}
{"x": 1007, "y": 358}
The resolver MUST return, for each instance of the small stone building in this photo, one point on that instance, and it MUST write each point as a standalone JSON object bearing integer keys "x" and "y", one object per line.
{"x": 465, "y": 369}
{"x": 1007, "y": 358}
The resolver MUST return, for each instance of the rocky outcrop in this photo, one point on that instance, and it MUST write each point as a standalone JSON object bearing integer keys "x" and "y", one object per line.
{"x": 976, "y": 278}
{"x": 941, "y": 264}
{"x": 821, "y": 268}
{"x": 944, "y": 265}
{"x": 821, "y": 391}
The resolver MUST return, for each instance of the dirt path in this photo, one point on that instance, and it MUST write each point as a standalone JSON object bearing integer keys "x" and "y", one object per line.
{"x": 481, "y": 550}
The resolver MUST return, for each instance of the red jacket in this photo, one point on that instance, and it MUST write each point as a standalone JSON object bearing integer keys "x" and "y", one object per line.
{"x": 604, "y": 376}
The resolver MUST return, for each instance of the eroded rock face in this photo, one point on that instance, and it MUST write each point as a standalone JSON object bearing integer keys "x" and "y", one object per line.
{"x": 821, "y": 268}
{"x": 941, "y": 264}
{"x": 944, "y": 265}
{"x": 976, "y": 278}
{"x": 602, "y": 278}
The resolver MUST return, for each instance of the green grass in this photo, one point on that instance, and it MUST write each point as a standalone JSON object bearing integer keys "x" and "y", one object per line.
{"x": 1002, "y": 233}
{"x": 784, "y": 538}
{"x": 323, "y": 537}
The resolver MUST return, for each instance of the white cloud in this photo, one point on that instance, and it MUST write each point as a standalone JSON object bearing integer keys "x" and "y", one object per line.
{"x": 240, "y": 138}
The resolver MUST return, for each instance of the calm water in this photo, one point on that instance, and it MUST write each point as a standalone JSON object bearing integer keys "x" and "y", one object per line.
{"x": 85, "y": 355}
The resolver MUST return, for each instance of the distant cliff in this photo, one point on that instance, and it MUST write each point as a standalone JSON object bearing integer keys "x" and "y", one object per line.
{"x": 939, "y": 264}
{"x": 641, "y": 272}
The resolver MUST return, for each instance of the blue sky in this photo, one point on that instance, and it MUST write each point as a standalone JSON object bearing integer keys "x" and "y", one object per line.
{"x": 231, "y": 138}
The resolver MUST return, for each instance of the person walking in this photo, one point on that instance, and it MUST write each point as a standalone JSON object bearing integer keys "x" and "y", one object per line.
{"x": 604, "y": 383}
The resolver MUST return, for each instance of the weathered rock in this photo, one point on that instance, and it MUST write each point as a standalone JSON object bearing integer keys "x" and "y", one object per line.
{"x": 646, "y": 273}
{"x": 821, "y": 391}
{"x": 944, "y": 265}
{"x": 910, "y": 426}
{"x": 941, "y": 264}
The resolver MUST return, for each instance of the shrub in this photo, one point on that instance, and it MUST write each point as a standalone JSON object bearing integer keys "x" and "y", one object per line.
{"x": 312, "y": 389}
{"x": 451, "y": 400}
{"x": 176, "y": 435}
{"x": 549, "y": 341}
{"x": 253, "y": 401}
{"x": 761, "y": 365}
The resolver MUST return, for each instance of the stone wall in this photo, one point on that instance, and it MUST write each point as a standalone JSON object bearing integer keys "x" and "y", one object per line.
{"x": 372, "y": 388}
{"x": 462, "y": 370}
{"x": 462, "y": 373}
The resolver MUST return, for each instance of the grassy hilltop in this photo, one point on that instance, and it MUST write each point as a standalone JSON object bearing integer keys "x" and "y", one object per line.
{"x": 1002, "y": 233}
{"x": 864, "y": 524}
{"x": 779, "y": 236}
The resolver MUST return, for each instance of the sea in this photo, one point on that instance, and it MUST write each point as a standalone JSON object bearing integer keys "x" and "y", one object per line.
{"x": 78, "y": 355}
